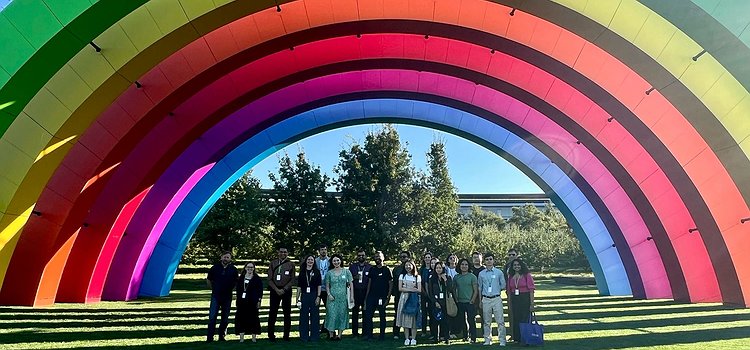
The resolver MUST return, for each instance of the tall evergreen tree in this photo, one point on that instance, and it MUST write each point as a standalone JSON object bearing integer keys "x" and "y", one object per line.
{"x": 299, "y": 204}
{"x": 440, "y": 221}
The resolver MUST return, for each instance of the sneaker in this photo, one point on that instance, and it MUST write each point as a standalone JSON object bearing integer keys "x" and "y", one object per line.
{"x": 487, "y": 342}
{"x": 407, "y": 342}
{"x": 413, "y": 342}
{"x": 502, "y": 344}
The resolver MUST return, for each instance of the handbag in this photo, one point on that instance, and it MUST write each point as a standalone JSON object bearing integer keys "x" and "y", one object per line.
{"x": 450, "y": 306}
{"x": 532, "y": 333}
{"x": 411, "y": 305}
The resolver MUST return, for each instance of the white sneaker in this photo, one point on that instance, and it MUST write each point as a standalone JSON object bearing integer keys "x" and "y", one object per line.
{"x": 407, "y": 341}
{"x": 413, "y": 342}
{"x": 487, "y": 342}
{"x": 502, "y": 344}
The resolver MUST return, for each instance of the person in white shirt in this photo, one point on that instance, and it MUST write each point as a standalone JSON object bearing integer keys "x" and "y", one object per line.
{"x": 491, "y": 282}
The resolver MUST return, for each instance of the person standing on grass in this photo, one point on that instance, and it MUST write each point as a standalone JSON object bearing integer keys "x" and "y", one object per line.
{"x": 410, "y": 285}
{"x": 280, "y": 280}
{"x": 308, "y": 298}
{"x": 338, "y": 280}
{"x": 439, "y": 289}
{"x": 404, "y": 256}
{"x": 508, "y": 271}
{"x": 477, "y": 267}
{"x": 491, "y": 282}
{"x": 521, "y": 291}
{"x": 467, "y": 292}
{"x": 221, "y": 280}
{"x": 378, "y": 296}
{"x": 323, "y": 262}
{"x": 249, "y": 295}
{"x": 361, "y": 274}
{"x": 451, "y": 269}
{"x": 424, "y": 272}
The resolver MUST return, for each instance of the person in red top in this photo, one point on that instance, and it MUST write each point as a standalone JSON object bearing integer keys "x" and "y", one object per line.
{"x": 520, "y": 288}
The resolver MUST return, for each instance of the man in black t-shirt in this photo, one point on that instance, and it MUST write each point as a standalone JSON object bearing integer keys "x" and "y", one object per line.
{"x": 377, "y": 297}
{"x": 221, "y": 279}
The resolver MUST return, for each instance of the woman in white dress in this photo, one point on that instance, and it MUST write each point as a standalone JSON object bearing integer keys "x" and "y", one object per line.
{"x": 410, "y": 285}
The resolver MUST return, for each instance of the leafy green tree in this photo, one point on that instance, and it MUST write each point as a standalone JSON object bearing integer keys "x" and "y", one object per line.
{"x": 238, "y": 222}
{"x": 299, "y": 204}
{"x": 375, "y": 181}
{"x": 478, "y": 217}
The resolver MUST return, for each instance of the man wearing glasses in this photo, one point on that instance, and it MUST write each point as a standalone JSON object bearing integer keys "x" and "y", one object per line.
{"x": 507, "y": 270}
{"x": 361, "y": 274}
{"x": 398, "y": 271}
{"x": 280, "y": 278}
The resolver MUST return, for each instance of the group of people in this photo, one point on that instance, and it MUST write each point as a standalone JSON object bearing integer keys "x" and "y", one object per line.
{"x": 444, "y": 295}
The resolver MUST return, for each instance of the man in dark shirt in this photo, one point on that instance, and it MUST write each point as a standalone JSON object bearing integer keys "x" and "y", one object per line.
{"x": 222, "y": 277}
{"x": 404, "y": 256}
{"x": 280, "y": 280}
{"x": 361, "y": 274}
{"x": 378, "y": 295}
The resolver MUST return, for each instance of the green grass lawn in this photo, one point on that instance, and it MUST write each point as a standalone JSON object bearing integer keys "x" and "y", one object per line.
{"x": 575, "y": 317}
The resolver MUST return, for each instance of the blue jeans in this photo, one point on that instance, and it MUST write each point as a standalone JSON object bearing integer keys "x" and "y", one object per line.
{"x": 225, "y": 304}
{"x": 309, "y": 318}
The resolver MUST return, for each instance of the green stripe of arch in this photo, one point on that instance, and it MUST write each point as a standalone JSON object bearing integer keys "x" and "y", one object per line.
{"x": 58, "y": 49}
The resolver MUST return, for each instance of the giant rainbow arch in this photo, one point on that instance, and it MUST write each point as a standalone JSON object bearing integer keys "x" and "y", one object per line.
{"x": 124, "y": 121}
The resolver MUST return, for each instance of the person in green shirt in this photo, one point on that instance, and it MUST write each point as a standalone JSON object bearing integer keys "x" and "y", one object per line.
{"x": 467, "y": 292}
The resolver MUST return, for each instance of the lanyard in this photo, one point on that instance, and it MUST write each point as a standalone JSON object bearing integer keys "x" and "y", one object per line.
{"x": 307, "y": 275}
{"x": 247, "y": 282}
{"x": 278, "y": 268}
{"x": 516, "y": 279}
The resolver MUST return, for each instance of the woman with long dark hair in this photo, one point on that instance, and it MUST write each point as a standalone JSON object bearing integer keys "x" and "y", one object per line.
{"x": 309, "y": 283}
{"x": 338, "y": 280}
{"x": 439, "y": 289}
{"x": 407, "y": 312}
{"x": 249, "y": 294}
{"x": 520, "y": 288}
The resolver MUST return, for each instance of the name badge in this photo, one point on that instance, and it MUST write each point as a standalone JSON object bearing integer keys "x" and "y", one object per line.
{"x": 380, "y": 274}
{"x": 307, "y": 290}
{"x": 493, "y": 277}
{"x": 360, "y": 277}
{"x": 278, "y": 277}
{"x": 380, "y": 302}
{"x": 517, "y": 292}
{"x": 367, "y": 273}
{"x": 343, "y": 276}
{"x": 489, "y": 289}
{"x": 441, "y": 296}
{"x": 287, "y": 273}
{"x": 244, "y": 294}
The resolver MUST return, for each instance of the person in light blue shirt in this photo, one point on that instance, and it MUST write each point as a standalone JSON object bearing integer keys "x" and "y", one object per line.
{"x": 491, "y": 282}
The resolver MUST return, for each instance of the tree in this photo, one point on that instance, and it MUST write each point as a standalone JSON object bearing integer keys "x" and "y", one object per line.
{"x": 375, "y": 181}
{"x": 438, "y": 206}
{"x": 299, "y": 204}
{"x": 238, "y": 222}
{"x": 478, "y": 217}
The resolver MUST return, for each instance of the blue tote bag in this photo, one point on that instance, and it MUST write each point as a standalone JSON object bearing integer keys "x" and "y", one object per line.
{"x": 532, "y": 333}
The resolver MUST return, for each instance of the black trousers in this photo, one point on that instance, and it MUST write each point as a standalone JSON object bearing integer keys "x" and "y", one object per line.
{"x": 372, "y": 306}
{"x": 359, "y": 303}
{"x": 426, "y": 313}
{"x": 286, "y": 305}
{"x": 396, "y": 329}
{"x": 520, "y": 308}
{"x": 439, "y": 329}
{"x": 467, "y": 313}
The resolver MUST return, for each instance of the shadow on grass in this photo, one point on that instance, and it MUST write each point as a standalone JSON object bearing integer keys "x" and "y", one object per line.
{"x": 652, "y": 339}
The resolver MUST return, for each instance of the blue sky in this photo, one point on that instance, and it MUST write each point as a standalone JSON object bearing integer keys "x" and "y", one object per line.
{"x": 473, "y": 168}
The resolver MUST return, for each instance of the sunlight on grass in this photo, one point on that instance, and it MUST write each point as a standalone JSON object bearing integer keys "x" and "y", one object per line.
{"x": 575, "y": 317}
